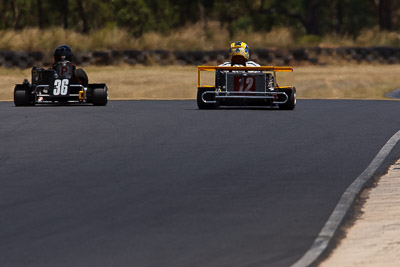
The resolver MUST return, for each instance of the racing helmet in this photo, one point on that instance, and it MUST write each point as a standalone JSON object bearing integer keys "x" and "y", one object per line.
{"x": 240, "y": 49}
{"x": 63, "y": 51}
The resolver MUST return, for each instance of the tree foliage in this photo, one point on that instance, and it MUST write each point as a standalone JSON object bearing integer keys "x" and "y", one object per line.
{"x": 306, "y": 17}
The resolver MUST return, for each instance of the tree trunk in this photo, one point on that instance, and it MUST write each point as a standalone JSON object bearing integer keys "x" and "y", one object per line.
{"x": 3, "y": 17}
{"x": 82, "y": 14}
{"x": 16, "y": 14}
{"x": 312, "y": 17}
{"x": 65, "y": 12}
{"x": 385, "y": 15}
{"x": 339, "y": 16}
{"x": 40, "y": 14}
{"x": 202, "y": 22}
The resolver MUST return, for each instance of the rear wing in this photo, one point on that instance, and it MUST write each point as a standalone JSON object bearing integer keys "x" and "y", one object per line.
{"x": 261, "y": 68}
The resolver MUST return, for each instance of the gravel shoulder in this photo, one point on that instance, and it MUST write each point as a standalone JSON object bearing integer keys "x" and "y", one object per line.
{"x": 374, "y": 239}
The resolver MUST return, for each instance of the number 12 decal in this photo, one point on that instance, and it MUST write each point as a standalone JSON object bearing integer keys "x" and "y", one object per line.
{"x": 248, "y": 81}
{"x": 244, "y": 84}
{"x": 61, "y": 87}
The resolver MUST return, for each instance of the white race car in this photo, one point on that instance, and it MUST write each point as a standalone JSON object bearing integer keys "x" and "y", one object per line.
{"x": 245, "y": 86}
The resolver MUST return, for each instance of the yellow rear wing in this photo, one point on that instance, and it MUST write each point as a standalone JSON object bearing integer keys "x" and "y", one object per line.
{"x": 261, "y": 68}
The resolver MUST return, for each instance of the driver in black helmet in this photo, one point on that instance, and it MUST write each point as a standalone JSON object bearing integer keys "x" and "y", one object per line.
{"x": 62, "y": 64}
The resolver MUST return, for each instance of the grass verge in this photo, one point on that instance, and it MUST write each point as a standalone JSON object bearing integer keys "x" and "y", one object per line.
{"x": 189, "y": 37}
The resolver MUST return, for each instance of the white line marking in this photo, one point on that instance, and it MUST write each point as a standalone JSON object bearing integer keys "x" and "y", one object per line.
{"x": 344, "y": 204}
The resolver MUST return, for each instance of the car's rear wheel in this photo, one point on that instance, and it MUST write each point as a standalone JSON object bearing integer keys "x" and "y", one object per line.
{"x": 100, "y": 96}
{"x": 206, "y": 97}
{"x": 23, "y": 96}
{"x": 291, "y": 103}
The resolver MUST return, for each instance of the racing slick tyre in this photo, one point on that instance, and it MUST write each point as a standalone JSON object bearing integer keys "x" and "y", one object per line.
{"x": 291, "y": 103}
{"x": 100, "y": 96}
{"x": 23, "y": 96}
{"x": 207, "y": 97}
{"x": 82, "y": 76}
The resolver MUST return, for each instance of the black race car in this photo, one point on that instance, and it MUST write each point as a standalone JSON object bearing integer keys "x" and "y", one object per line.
{"x": 62, "y": 84}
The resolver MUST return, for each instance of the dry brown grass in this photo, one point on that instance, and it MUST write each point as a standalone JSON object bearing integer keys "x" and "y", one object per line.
{"x": 177, "y": 82}
{"x": 367, "y": 37}
{"x": 34, "y": 39}
{"x": 8, "y": 78}
{"x": 347, "y": 82}
{"x": 171, "y": 82}
{"x": 188, "y": 37}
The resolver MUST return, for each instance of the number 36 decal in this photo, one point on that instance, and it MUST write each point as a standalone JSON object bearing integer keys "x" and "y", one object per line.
{"x": 61, "y": 87}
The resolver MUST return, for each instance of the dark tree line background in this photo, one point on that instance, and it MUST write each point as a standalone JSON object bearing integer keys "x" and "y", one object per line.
{"x": 307, "y": 17}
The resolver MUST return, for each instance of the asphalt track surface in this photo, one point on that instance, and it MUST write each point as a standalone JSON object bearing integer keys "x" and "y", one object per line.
{"x": 161, "y": 183}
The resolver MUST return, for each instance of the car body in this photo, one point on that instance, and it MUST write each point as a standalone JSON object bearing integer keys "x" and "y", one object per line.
{"x": 245, "y": 86}
{"x": 59, "y": 85}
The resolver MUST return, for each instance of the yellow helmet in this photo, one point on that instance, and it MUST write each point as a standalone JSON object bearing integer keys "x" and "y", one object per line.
{"x": 240, "y": 49}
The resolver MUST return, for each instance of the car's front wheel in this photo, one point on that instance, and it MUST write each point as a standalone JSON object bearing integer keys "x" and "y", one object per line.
{"x": 100, "y": 96}
{"x": 23, "y": 96}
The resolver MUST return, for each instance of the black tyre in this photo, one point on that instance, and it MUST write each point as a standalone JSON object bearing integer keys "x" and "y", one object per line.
{"x": 82, "y": 76}
{"x": 291, "y": 103}
{"x": 23, "y": 96}
{"x": 100, "y": 96}
{"x": 207, "y": 97}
